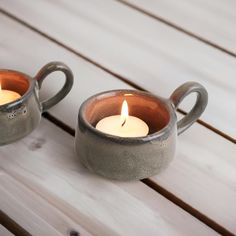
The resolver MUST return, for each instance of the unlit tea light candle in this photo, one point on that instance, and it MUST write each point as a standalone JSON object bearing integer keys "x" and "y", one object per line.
{"x": 123, "y": 125}
{"x": 7, "y": 96}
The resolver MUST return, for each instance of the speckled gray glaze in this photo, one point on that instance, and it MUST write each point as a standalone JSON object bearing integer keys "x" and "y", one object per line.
{"x": 20, "y": 117}
{"x": 134, "y": 158}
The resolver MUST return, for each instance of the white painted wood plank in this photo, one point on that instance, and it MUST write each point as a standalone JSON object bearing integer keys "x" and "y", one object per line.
{"x": 89, "y": 80}
{"x": 211, "y": 20}
{"x": 4, "y": 231}
{"x": 203, "y": 174}
{"x": 46, "y": 164}
{"x": 32, "y": 212}
{"x": 17, "y": 55}
{"x": 154, "y": 55}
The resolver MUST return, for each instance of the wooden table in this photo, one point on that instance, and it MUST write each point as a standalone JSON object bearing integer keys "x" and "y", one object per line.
{"x": 149, "y": 45}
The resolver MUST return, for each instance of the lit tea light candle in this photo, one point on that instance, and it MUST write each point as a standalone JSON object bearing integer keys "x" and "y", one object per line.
{"x": 7, "y": 96}
{"x": 123, "y": 125}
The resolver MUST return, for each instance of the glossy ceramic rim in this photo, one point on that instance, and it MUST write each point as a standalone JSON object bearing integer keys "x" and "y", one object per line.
{"x": 24, "y": 96}
{"x": 161, "y": 133}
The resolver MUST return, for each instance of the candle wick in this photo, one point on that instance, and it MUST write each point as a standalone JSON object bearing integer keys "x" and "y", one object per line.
{"x": 123, "y": 123}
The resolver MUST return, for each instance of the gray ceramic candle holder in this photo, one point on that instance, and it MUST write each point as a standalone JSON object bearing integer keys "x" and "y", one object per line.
{"x": 18, "y": 118}
{"x": 134, "y": 158}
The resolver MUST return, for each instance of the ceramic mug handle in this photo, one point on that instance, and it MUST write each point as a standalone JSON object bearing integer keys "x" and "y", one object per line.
{"x": 180, "y": 93}
{"x": 44, "y": 72}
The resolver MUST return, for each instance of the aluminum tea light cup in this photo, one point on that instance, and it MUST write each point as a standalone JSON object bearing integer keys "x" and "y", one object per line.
{"x": 133, "y": 158}
{"x": 20, "y": 117}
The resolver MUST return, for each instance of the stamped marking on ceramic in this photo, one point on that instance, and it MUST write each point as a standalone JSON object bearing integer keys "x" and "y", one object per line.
{"x": 20, "y": 111}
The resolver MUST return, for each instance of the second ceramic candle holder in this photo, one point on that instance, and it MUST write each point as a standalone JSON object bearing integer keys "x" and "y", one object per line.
{"x": 20, "y": 107}
{"x": 131, "y": 158}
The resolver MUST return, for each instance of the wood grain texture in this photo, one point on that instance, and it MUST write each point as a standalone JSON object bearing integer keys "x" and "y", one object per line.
{"x": 139, "y": 48}
{"x": 213, "y": 21}
{"x": 47, "y": 165}
{"x": 209, "y": 183}
{"x": 31, "y": 211}
{"x": 48, "y": 168}
{"x": 198, "y": 153}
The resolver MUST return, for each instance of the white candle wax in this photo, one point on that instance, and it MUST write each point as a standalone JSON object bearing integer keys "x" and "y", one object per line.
{"x": 123, "y": 125}
{"x": 7, "y": 96}
{"x": 133, "y": 127}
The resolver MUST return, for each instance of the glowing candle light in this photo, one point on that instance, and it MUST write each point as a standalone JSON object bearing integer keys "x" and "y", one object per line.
{"x": 123, "y": 125}
{"x": 7, "y": 96}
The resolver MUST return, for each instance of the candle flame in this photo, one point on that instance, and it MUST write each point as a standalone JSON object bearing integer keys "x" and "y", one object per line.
{"x": 124, "y": 112}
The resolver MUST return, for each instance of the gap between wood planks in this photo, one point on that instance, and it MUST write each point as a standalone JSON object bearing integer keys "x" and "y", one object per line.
{"x": 177, "y": 27}
{"x": 11, "y": 225}
{"x": 171, "y": 197}
{"x": 127, "y": 81}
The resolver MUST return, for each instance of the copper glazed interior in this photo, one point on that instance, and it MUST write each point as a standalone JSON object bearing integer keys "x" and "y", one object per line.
{"x": 14, "y": 81}
{"x": 148, "y": 108}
